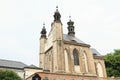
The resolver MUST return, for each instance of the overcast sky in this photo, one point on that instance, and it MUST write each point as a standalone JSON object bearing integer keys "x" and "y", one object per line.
{"x": 97, "y": 22}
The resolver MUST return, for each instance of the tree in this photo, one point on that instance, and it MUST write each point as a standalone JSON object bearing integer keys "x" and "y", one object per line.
{"x": 8, "y": 75}
{"x": 112, "y": 63}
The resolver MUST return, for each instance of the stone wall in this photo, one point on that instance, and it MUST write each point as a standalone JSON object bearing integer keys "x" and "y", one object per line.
{"x": 57, "y": 76}
{"x": 113, "y": 78}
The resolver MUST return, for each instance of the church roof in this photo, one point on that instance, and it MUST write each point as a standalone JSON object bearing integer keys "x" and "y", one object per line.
{"x": 11, "y": 64}
{"x": 95, "y": 52}
{"x": 71, "y": 38}
{"x": 74, "y": 40}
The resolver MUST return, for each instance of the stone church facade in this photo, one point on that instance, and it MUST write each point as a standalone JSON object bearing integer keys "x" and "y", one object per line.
{"x": 66, "y": 57}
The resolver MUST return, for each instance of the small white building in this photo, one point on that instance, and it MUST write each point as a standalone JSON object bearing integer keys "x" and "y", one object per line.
{"x": 20, "y": 68}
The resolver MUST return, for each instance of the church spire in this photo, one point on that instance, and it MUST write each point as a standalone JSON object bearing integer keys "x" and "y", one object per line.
{"x": 43, "y": 32}
{"x": 70, "y": 27}
{"x": 57, "y": 15}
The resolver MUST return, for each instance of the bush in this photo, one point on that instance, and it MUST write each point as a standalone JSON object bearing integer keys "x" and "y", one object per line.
{"x": 9, "y": 75}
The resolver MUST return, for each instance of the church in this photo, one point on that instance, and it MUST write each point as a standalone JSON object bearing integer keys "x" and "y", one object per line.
{"x": 66, "y": 57}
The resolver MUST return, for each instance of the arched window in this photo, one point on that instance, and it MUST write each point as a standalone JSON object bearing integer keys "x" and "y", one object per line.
{"x": 36, "y": 77}
{"x": 75, "y": 57}
{"x": 66, "y": 61}
{"x": 99, "y": 70}
{"x": 85, "y": 61}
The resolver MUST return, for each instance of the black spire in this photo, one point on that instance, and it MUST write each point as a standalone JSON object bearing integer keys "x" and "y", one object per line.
{"x": 71, "y": 27}
{"x": 43, "y": 32}
{"x": 57, "y": 15}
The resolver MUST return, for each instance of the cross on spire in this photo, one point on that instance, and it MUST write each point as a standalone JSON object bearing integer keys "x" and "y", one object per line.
{"x": 70, "y": 17}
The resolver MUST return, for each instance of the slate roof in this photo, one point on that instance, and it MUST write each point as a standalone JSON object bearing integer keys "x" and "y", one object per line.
{"x": 95, "y": 52}
{"x": 71, "y": 38}
{"x": 33, "y": 67}
{"x": 12, "y": 64}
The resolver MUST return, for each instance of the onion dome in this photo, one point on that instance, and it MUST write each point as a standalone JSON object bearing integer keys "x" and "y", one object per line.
{"x": 57, "y": 15}
{"x": 43, "y": 32}
{"x": 71, "y": 27}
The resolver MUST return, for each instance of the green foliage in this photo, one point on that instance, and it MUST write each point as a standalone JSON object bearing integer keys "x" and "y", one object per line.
{"x": 8, "y": 75}
{"x": 112, "y": 62}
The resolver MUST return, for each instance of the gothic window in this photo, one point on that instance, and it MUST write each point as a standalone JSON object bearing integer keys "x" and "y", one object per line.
{"x": 66, "y": 61}
{"x": 85, "y": 61}
{"x": 99, "y": 70}
{"x": 36, "y": 77}
{"x": 75, "y": 57}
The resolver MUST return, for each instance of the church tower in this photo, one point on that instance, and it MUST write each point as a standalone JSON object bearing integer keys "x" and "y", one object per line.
{"x": 57, "y": 35}
{"x": 51, "y": 49}
{"x": 42, "y": 46}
